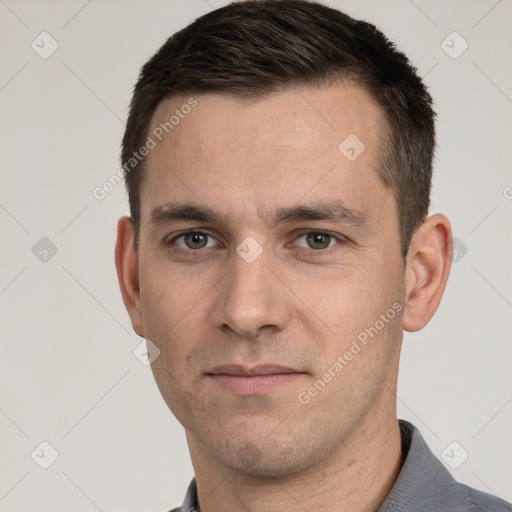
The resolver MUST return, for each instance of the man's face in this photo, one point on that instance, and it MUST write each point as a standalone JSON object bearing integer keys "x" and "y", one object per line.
{"x": 300, "y": 253}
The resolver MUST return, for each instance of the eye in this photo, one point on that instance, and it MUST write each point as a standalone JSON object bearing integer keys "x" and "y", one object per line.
{"x": 194, "y": 240}
{"x": 316, "y": 240}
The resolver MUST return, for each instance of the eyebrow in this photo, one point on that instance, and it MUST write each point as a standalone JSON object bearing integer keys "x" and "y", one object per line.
{"x": 171, "y": 212}
{"x": 334, "y": 211}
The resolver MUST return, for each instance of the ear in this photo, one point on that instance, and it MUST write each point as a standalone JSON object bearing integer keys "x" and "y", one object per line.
{"x": 128, "y": 272}
{"x": 428, "y": 265}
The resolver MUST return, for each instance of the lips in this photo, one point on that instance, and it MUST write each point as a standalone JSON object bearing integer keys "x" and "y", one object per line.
{"x": 255, "y": 380}
{"x": 261, "y": 369}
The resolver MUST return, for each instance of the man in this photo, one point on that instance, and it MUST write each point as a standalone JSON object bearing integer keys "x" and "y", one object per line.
{"x": 278, "y": 160}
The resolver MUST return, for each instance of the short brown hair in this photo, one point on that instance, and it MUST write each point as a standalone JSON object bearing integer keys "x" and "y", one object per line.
{"x": 259, "y": 47}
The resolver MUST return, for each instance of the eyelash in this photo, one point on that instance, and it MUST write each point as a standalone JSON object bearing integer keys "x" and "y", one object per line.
{"x": 340, "y": 240}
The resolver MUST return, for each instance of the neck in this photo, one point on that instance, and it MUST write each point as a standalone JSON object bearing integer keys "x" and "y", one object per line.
{"x": 355, "y": 477}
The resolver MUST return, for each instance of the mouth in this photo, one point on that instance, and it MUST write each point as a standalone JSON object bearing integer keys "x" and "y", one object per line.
{"x": 255, "y": 380}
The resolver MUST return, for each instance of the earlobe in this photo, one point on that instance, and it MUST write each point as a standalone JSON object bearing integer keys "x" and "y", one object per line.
{"x": 127, "y": 272}
{"x": 428, "y": 266}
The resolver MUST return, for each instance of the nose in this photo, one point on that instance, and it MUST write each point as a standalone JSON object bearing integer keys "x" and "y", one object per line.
{"x": 251, "y": 298}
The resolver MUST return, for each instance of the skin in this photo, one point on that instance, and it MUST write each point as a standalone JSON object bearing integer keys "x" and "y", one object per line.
{"x": 295, "y": 305}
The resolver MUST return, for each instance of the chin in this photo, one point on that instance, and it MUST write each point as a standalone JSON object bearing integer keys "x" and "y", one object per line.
{"x": 267, "y": 453}
{"x": 251, "y": 460}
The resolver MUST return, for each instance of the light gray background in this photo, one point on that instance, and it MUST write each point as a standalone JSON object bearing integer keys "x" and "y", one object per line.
{"x": 68, "y": 374}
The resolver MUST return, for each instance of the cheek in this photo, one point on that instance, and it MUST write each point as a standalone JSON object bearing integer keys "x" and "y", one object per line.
{"x": 348, "y": 299}
{"x": 170, "y": 310}
{"x": 176, "y": 311}
{"x": 169, "y": 302}
{"x": 170, "y": 294}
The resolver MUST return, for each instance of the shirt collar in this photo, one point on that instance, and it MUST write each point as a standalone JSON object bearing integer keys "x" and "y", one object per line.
{"x": 423, "y": 483}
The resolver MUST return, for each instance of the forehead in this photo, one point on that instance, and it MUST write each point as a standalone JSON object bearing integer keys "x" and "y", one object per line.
{"x": 294, "y": 117}
{"x": 280, "y": 148}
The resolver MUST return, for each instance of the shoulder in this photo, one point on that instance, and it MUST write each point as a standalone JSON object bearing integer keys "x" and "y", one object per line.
{"x": 425, "y": 485}
{"x": 483, "y": 502}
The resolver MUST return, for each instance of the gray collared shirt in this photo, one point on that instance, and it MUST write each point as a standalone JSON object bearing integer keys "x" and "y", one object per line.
{"x": 423, "y": 485}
